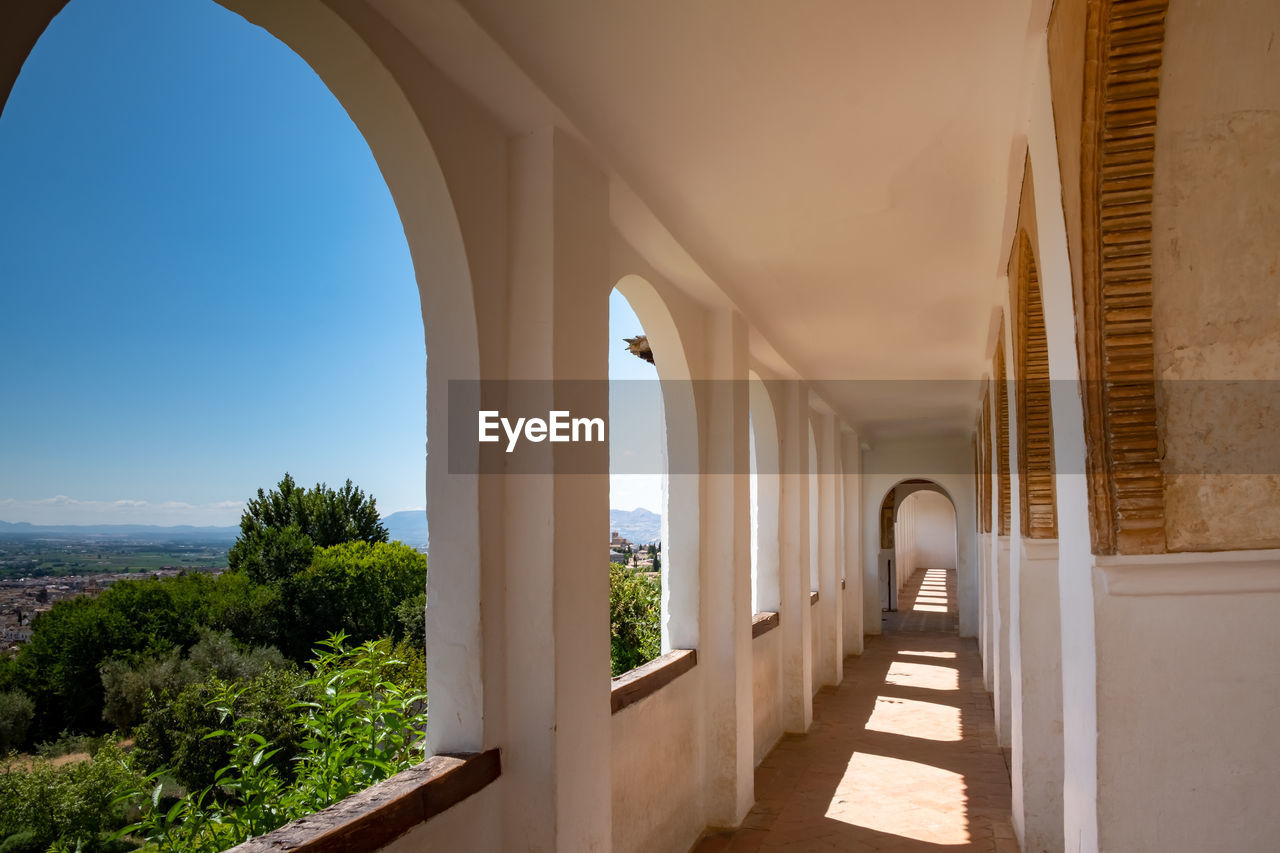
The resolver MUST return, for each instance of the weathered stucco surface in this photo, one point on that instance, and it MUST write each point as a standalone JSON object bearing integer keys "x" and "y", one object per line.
{"x": 657, "y": 769}
{"x": 1216, "y": 265}
{"x": 766, "y": 655}
{"x": 1186, "y": 717}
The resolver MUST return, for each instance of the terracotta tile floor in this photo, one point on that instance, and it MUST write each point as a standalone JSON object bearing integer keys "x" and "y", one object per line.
{"x": 902, "y": 756}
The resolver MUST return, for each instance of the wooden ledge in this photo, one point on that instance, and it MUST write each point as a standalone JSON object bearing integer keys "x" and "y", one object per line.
{"x": 813, "y": 597}
{"x": 843, "y": 583}
{"x": 763, "y": 623}
{"x": 382, "y": 813}
{"x": 630, "y": 687}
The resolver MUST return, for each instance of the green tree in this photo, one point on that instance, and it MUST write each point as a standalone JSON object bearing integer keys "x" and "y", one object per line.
{"x": 129, "y": 687}
{"x": 411, "y": 614}
{"x": 352, "y": 588}
{"x": 635, "y": 606}
{"x": 59, "y": 665}
{"x": 277, "y": 525}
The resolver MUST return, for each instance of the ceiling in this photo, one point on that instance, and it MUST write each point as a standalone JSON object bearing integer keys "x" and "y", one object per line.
{"x": 840, "y": 169}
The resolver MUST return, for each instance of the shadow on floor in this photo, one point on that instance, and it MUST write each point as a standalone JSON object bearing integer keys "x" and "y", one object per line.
{"x": 902, "y": 756}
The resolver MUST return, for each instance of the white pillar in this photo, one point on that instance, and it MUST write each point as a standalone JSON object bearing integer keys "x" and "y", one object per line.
{"x": 851, "y": 459}
{"x": 831, "y": 641}
{"x": 1041, "y": 645}
{"x": 725, "y": 570}
{"x": 797, "y": 680}
{"x": 1003, "y": 702}
{"x": 1075, "y": 558}
{"x": 556, "y": 768}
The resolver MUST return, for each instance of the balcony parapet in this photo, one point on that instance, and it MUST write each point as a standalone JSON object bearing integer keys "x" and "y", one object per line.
{"x": 763, "y": 623}
{"x": 383, "y": 812}
{"x": 645, "y": 680}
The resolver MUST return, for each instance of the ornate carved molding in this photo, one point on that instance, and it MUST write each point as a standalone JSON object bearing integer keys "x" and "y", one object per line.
{"x": 1002, "y": 439}
{"x": 984, "y": 468}
{"x": 1037, "y": 498}
{"x": 1122, "y": 84}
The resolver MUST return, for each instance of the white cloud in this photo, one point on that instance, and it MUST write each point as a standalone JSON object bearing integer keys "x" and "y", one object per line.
{"x": 61, "y": 509}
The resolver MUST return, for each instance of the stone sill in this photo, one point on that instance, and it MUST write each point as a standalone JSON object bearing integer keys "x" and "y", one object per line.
{"x": 378, "y": 815}
{"x": 763, "y": 623}
{"x": 630, "y": 687}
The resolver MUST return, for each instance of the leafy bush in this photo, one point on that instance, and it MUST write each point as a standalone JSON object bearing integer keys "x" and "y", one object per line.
{"x": 127, "y": 689}
{"x": 179, "y": 732}
{"x": 16, "y": 711}
{"x": 411, "y": 616}
{"x": 23, "y": 842}
{"x": 362, "y": 725}
{"x": 635, "y": 607}
{"x": 75, "y": 804}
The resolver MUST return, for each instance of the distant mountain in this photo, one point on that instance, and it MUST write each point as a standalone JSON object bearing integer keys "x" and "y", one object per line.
{"x": 639, "y": 525}
{"x": 122, "y": 531}
{"x": 409, "y": 527}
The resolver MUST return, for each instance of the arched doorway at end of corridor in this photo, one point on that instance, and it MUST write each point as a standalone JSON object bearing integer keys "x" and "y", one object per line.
{"x": 918, "y": 557}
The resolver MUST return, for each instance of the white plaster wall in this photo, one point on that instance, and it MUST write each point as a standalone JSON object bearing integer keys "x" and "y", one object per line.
{"x": 766, "y": 655}
{"x": 468, "y": 827}
{"x": 1037, "y": 776}
{"x": 815, "y": 656}
{"x": 658, "y": 770}
{"x": 851, "y": 456}
{"x": 933, "y": 541}
{"x": 1003, "y": 694}
{"x": 948, "y": 461}
{"x": 986, "y": 567}
{"x": 1075, "y": 560}
{"x": 1188, "y": 692}
{"x": 904, "y": 539}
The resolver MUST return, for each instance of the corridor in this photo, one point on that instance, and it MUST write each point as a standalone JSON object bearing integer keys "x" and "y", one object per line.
{"x": 901, "y": 757}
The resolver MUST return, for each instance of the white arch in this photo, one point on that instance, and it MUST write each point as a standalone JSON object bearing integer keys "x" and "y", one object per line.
{"x": 385, "y": 115}
{"x": 766, "y": 592}
{"x": 814, "y": 570}
{"x": 682, "y": 490}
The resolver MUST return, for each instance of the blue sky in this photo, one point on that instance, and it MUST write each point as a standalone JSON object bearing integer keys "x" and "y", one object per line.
{"x": 203, "y": 279}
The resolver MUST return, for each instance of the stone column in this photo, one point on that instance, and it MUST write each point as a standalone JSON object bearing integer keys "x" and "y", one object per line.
{"x": 556, "y": 761}
{"x": 797, "y": 679}
{"x": 831, "y": 643}
{"x": 851, "y": 458}
{"x": 725, "y": 571}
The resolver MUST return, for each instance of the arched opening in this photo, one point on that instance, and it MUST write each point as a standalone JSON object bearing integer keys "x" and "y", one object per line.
{"x": 766, "y": 595}
{"x": 188, "y": 267}
{"x": 919, "y": 551}
{"x": 814, "y": 507}
{"x": 1037, "y": 491}
{"x": 653, "y": 448}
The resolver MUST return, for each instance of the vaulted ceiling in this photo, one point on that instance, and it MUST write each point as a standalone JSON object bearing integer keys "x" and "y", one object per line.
{"x": 839, "y": 168}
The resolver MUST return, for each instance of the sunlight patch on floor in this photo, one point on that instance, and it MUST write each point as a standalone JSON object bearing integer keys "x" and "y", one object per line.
{"x": 931, "y": 608}
{"x": 913, "y": 718}
{"x": 889, "y": 795}
{"x": 941, "y": 655}
{"x": 922, "y": 675}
